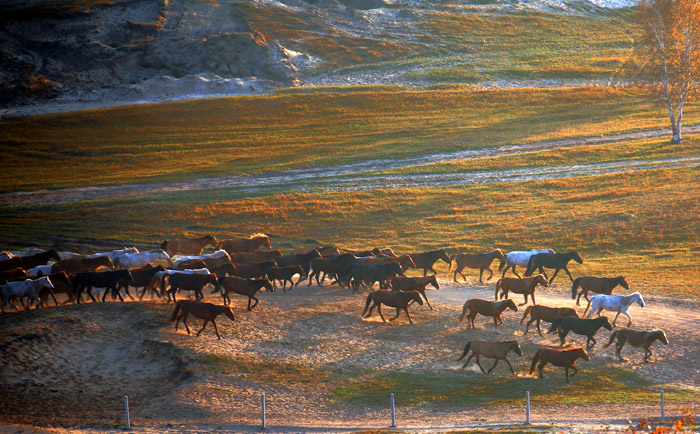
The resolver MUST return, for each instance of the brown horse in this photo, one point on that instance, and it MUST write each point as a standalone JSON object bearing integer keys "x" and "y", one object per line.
{"x": 636, "y": 339}
{"x": 206, "y": 311}
{"x": 564, "y": 358}
{"x": 580, "y": 326}
{"x": 188, "y": 246}
{"x": 42, "y": 258}
{"x": 61, "y": 284}
{"x": 250, "y": 257}
{"x": 191, "y": 264}
{"x": 479, "y": 261}
{"x": 13, "y": 274}
{"x": 557, "y": 261}
{"x": 600, "y": 285}
{"x": 331, "y": 267}
{"x": 255, "y": 270}
{"x": 493, "y": 309}
{"x": 525, "y": 286}
{"x": 325, "y": 251}
{"x": 247, "y": 287}
{"x": 240, "y": 245}
{"x": 284, "y": 275}
{"x": 427, "y": 260}
{"x": 398, "y": 300}
{"x": 544, "y": 313}
{"x": 191, "y": 282}
{"x": 401, "y": 283}
{"x": 78, "y": 265}
{"x": 491, "y": 350}
{"x": 404, "y": 261}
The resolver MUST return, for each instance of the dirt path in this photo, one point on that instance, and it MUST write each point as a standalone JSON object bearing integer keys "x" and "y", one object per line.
{"x": 358, "y": 176}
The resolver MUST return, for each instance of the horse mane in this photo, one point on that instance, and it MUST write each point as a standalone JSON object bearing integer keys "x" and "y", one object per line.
{"x": 257, "y": 236}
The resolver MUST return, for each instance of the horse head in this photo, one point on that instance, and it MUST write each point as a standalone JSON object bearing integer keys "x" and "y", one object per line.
{"x": 661, "y": 335}
{"x": 415, "y": 296}
{"x": 638, "y": 298}
{"x": 53, "y": 254}
{"x": 515, "y": 346}
{"x": 623, "y": 282}
{"x": 127, "y": 275}
{"x": 46, "y": 283}
{"x": 498, "y": 253}
{"x": 511, "y": 305}
{"x": 604, "y": 322}
{"x": 576, "y": 257}
{"x": 581, "y": 352}
{"x": 406, "y": 262}
{"x": 229, "y": 313}
{"x": 265, "y": 241}
{"x": 433, "y": 281}
{"x": 442, "y": 254}
{"x": 394, "y": 267}
{"x": 268, "y": 285}
{"x": 541, "y": 280}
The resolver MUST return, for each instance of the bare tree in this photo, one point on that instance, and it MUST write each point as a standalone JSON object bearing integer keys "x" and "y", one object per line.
{"x": 671, "y": 51}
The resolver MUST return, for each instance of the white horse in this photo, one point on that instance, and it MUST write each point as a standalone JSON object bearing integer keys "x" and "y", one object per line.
{"x": 219, "y": 254}
{"x": 615, "y": 303}
{"x": 114, "y": 254}
{"x": 25, "y": 288}
{"x": 135, "y": 260}
{"x": 44, "y": 270}
{"x": 519, "y": 257}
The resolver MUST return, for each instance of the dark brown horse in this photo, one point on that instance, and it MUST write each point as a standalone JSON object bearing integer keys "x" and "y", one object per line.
{"x": 398, "y": 300}
{"x": 325, "y": 251}
{"x": 100, "y": 279}
{"x": 141, "y": 278}
{"x": 62, "y": 284}
{"x": 557, "y": 261}
{"x": 564, "y": 358}
{"x": 600, "y": 285}
{"x": 191, "y": 282}
{"x": 228, "y": 269}
{"x": 525, "y": 286}
{"x": 78, "y": 265}
{"x": 404, "y": 261}
{"x": 191, "y": 264}
{"x": 255, "y": 270}
{"x": 401, "y": 283}
{"x": 250, "y": 257}
{"x": 330, "y": 267}
{"x": 240, "y": 245}
{"x": 304, "y": 260}
{"x": 368, "y": 274}
{"x": 580, "y": 326}
{"x": 637, "y": 339}
{"x": 427, "y": 260}
{"x": 491, "y": 350}
{"x": 42, "y": 258}
{"x": 206, "y": 311}
{"x": 478, "y": 261}
{"x": 188, "y": 246}
{"x": 544, "y": 313}
{"x": 13, "y": 274}
{"x": 284, "y": 275}
{"x": 494, "y": 309}
{"x": 247, "y": 287}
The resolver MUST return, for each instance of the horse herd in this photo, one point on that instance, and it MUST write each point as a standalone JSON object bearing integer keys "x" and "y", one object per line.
{"x": 238, "y": 266}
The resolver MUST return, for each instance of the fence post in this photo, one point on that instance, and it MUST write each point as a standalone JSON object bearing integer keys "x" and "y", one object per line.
{"x": 393, "y": 412}
{"x": 262, "y": 400}
{"x": 663, "y": 416}
{"x": 126, "y": 407}
{"x": 527, "y": 407}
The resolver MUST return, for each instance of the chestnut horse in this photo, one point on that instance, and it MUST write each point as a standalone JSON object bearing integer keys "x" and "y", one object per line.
{"x": 250, "y": 257}
{"x": 480, "y": 261}
{"x": 564, "y": 358}
{"x": 544, "y": 313}
{"x": 239, "y": 245}
{"x": 525, "y": 286}
{"x": 247, "y": 287}
{"x": 491, "y": 350}
{"x": 404, "y": 261}
{"x": 636, "y": 339}
{"x": 206, "y": 311}
{"x": 188, "y": 246}
{"x": 493, "y": 309}
{"x": 401, "y": 283}
{"x": 399, "y": 300}
{"x": 77, "y": 265}
{"x": 256, "y": 270}
{"x": 600, "y": 285}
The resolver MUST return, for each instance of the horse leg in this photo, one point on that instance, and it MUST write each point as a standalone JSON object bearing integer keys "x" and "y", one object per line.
{"x": 578, "y": 300}
{"x": 556, "y": 271}
{"x": 509, "y": 365}
{"x": 573, "y": 368}
{"x": 629, "y": 323}
{"x": 408, "y": 315}
{"x": 566, "y": 368}
{"x": 479, "y": 363}
{"x": 116, "y": 291}
{"x": 540, "y": 366}
{"x": 495, "y": 322}
{"x": 205, "y": 324}
{"x": 398, "y": 310}
{"x": 567, "y": 272}
{"x": 184, "y": 321}
{"x": 481, "y": 273}
{"x": 89, "y": 291}
{"x": 426, "y": 298}
{"x": 216, "y": 329}
{"x": 468, "y": 360}
{"x": 618, "y": 350}
{"x": 525, "y": 302}
{"x": 472, "y": 317}
{"x": 514, "y": 272}
{"x": 647, "y": 354}
{"x": 615, "y": 319}
{"x": 562, "y": 336}
{"x": 379, "y": 309}
{"x": 490, "y": 273}
{"x": 494, "y": 366}
{"x": 590, "y": 339}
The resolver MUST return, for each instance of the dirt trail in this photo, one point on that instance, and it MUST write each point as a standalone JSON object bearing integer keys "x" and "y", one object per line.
{"x": 358, "y": 176}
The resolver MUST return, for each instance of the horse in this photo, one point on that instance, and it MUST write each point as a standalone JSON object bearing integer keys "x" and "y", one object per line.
{"x": 16, "y": 274}
{"x": 544, "y": 313}
{"x": 427, "y": 260}
{"x": 12, "y": 263}
{"x": 480, "y": 261}
{"x": 226, "y": 270}
{"x": 191, "y": 264}
{"x": 558, "y": 261}
{"x": 78, "y": 265}
{"x": 518, "y": 257}
{"x": 61, "y": 284}
{"x": 615, "y": 303}
{"x": 25, "y": 288}
{"x": 255, "y": 270}
{"x": 215, "y": 259}
{"x": 325, "y": 251}
{"x": 386, "y": 251}
{"x": 239, "y": 245}
{"x": 401, "y": 283}
{"x": 491, "y": 350}
{"x": 331, "y": 267}
{"x": 564, "y": 358}
{"x": 493, "y": 309}
{"x": 284, "y": 275}
{"x": 39, "y": 270}
{"x": 100, "y": 279}
{"x": 137, "y": 260}
{"x": 188, "y": 246}
{"x": 42, "y": 258}
{"x": 368, "y": 274}
{"x": 206, "y": 311}
{"x": 247, "y": 287}
{"x": 304, "y": 260}
{"x": 637, "y": 339}
{"x": 398, "y": 300}
{"x": 250, "y": 257}
{"x": 191, "y": 282}
{"x": 580, "y": 326}
{"x": 525, "y": 286}
{"x": 114, "y": 254}
{"x": 141, "y": 278}
{"x": 600, "y": 285}
{"x": 404, "y": 261}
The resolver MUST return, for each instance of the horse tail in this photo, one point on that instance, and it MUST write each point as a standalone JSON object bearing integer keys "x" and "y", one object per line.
{"x": 530, "y": 266}
{"x": 527, "y": 312}
{"x": 535, "y": 359}
{"x": 498, "y": 287}
{"x": 452, "y": 259}
{"x": 555, "y": 325}
{"x": 465, "y": 309}
{"x": 164, "y": 245}
{"x": 466, "y": 350}
{"x": 587, "y": 307}
{"x": 503, "y": 264}
{"x": 612, "y": 338}
{"x": 575, "y": 286}
{"x": 369, "y": 300}
{"x": 178, "y": 306}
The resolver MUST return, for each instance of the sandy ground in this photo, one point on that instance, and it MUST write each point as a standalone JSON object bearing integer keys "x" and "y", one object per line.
{"x": 69, "y": 366}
